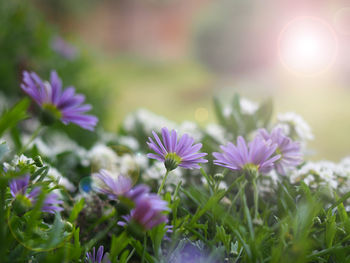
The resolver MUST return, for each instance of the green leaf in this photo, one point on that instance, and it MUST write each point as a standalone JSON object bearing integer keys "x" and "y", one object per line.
{"x": 76, "y": 210}
{"x": 11, "y": 117}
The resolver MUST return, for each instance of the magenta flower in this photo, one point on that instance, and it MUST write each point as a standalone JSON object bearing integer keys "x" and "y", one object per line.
{"x": 64, "y": 105}
{"x": 286, "y": 148}
{"x": 174, "y": 151}
{"x": 148, "y": 211}
{"x": 19, "y": 186}
{"x": 256, "y": 157}
{"x": 97, "y": 258}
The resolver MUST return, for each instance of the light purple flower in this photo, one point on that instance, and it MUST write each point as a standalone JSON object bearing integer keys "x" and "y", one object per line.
{"x": 110, "y": 185}
{"x": 61, "y": 104}
{"x": 97, "y": 258}
{"x": 19, "y": 186}
{"x": 149, "y": 211}
{"x": 288, "y": 150}
{"x": 63, "y": 48}
{"x": 174, "y": 151}
{"x": 51, "y": 204}
{"x": 257, "y": 156}
{"x": 115, "y": 186}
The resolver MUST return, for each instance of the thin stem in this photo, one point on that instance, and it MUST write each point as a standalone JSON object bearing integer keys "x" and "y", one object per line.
{"x": 144, "y": 248}
{"x": 163, "y": 182}
{"x": 256, "y": 199}
{"x": 32, "y": 138}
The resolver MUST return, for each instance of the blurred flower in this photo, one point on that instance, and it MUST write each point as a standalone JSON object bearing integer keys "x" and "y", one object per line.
{"x": 61, "y": 180}
{"x": 103, "y": 157}
{"x": 59, "y": 45}
{"x": 56, "y": 103}
{"x": 97, "y": 258}
{"x": 297, "y": 126}
{"x": 248, "y": 107}
{"x": 19, "y": 185}
{"x": 51, "y": 204}
{"x": 257, "y": 156}
{"x": 218, "y": 133}
{"x": 58, "y": 143}
{"x": 176, "y": 152}
{"x": 111, "y": 185}
{"x": 286, "y": 148}
{"x": 116, "y": 186}
{"x": 148, "y": 212}
{"x": 192, "y": 128}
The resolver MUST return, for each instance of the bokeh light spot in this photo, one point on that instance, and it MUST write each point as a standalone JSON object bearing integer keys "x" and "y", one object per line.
{"x": 307, "y": 46}
{"x": 201, "y": 114}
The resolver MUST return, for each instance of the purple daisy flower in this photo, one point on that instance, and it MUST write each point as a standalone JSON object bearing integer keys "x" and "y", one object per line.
{"x": 18, "y": 186}
{"x": 110, "y": 185}
{"x": 97, "y": 258}
{"x": 174, "y": 151}
{"x": 256, "y": 157}
{"x": 148, "y": 212}
{"x": 60, "y": 104}
{"x": 116, "y": 186}
{"x": 51, "y": 204}
{"x": 288, "y": 150}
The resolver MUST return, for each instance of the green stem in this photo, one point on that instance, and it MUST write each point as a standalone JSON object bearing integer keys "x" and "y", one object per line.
{"x": 256, "y": 199}
{"x": 163, "y": 182}
{"x": 32, "y": 138}
{"x": 144, "y": 248}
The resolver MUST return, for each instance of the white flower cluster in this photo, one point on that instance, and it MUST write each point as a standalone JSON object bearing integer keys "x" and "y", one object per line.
{"x": 295, "y": 126}
{"x": 58, "y": 143}
{"x": 324, "y": 173}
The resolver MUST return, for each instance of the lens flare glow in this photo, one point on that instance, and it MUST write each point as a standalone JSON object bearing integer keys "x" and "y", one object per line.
{"x": 307, "y": 46}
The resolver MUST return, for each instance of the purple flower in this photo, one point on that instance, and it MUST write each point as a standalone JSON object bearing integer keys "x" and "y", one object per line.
{"x": 19, "y": 185}
{"x": 286, "y": 148}
{"x": 256, "y": 157}
{"x": 112, "y": 186}
{"x": 174, "y": 151}
{"x": 60, "y": 104}
{"x": 116, "y": 186}
{"x": 97, "y": 258}
{"x": 149, "y": 211}
{"x": 66, "y": 50}
{"x": 51, "y": 204}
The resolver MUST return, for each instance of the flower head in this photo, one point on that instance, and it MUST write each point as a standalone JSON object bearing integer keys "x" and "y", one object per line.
{"x": 51, "y": 204}
{"x": 174, "y": 151}
{"x": 288, "y": 149}
{"x": 112, "y": 186}
{"x": 117, "y": 186}
{"x": 97, "y": 258}
{"x": 19, "y": 186}
{"x": 149, "y": 211}
{"x": 57, "y": 103}
{"x": 257, "y": 156}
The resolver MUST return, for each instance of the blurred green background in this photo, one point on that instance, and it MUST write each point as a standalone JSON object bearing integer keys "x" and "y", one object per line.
{"x": 173, "y": 56}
